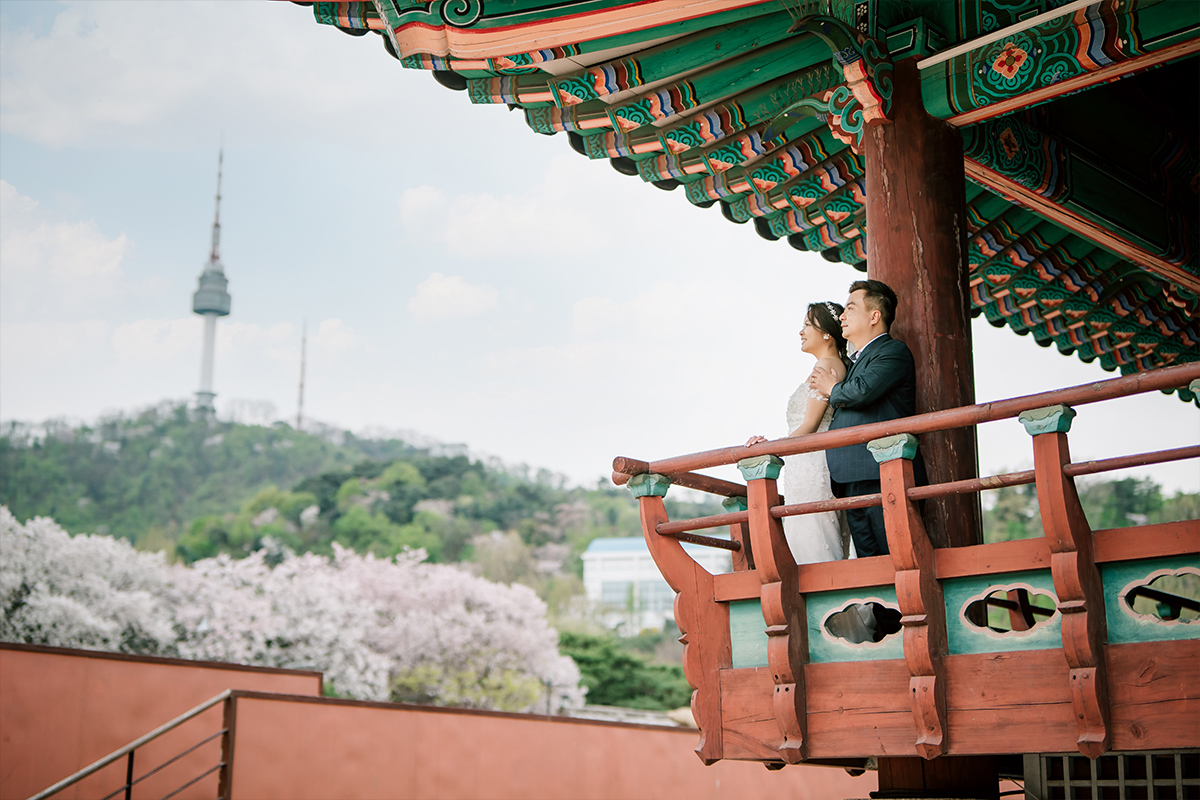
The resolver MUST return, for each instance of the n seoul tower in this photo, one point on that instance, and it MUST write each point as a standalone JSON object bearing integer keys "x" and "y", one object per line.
{"x": 210, "y": 301}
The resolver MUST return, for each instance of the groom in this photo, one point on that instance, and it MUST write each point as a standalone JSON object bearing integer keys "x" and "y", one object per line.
{"x": 880, "y": 385}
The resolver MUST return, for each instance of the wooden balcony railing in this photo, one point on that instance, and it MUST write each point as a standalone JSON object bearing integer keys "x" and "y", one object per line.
{"x": 775, "y": 682}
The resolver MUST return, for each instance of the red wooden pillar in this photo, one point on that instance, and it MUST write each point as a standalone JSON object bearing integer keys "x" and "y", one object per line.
{"x": 916, "y": 243}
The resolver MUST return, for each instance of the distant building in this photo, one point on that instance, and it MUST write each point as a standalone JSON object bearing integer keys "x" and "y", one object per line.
{"x": 620, "y": 575}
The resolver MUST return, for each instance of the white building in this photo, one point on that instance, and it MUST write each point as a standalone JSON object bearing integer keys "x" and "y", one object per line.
{"x": 620, "y": 575}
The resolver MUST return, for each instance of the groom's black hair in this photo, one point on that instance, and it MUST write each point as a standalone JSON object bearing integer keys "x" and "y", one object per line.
{"x": 879, "y": 297}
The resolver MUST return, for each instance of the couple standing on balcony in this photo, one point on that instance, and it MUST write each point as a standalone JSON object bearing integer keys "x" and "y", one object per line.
{"x": 876, "y": 383}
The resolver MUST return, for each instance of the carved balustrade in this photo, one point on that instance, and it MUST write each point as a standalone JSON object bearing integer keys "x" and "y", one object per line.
{"x": 1036, "y": 645}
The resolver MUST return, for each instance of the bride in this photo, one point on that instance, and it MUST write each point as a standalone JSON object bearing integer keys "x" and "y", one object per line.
{"x": 823, "y": 536}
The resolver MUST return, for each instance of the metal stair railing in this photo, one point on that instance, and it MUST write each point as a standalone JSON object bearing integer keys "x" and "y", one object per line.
{"x": 128, "y": 752}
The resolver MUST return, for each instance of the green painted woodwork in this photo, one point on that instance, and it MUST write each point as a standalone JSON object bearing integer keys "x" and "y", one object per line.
{"x": 589, "y": 119}
{"x": 747, "y": 634}
{"x": 691, "y": 53}
{"x": 648, "y": 484}
{"x": 967, "y": 638}
{"x": 823, "y": 648}
{"x": 760, "y": 467}
{"x": 863, "y": 60}
{"x": 1051, "y": 419}
{"x": 998, "y": 266}
{"x": 1053, "y": 168}
{"x": 734, "y": 504}
{"x": 1054, "y": 51}
{"x": 350, "y": 16}
{"x": 1124, "y": 625}
{"x": 917, "y": 37}
{"x": 760, "y": 104}
{"x": 464, "y": 14}
{"x": 747, "y": 73}
{"x": 803, "y": 139}
{"x": 889, "y": 448}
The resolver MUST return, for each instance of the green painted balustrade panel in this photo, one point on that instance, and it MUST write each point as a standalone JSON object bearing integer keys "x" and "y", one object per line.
{"x": 965, "y": 637}
{"x": 824, "y": 647}
{"x": 1127, "y": 625}
{"x": 747, "y": 634}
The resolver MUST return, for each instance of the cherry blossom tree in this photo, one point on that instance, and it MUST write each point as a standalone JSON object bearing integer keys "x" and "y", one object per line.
{"x": 378, "y": 628}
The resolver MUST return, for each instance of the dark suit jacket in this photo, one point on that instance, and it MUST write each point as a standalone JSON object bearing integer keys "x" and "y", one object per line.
{"x": 881, "y": 385}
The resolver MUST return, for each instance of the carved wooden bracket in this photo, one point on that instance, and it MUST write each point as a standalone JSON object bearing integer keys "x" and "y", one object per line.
{"x": 1076, "y": 578}
{"x": 782, "y": 605}
{"x": 918, "y": 593}
{"x": 866, "y": 96}
{"x": 696, "y": 610}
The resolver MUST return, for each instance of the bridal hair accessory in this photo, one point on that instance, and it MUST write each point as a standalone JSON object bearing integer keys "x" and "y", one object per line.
{"x": 832, "y": 313}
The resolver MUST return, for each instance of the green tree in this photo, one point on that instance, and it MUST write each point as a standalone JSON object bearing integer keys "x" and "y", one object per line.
{"x": 1121, "y": 503}
{"x": 616, "y": 677}
{"x": 1012, "y": 514}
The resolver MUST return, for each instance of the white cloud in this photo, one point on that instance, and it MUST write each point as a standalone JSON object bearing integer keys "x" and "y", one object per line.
{"x": 446, "y": 297}
{"x": 28, "y": 344}
{"x": 334, "y": 338}
{"x": 573, "y": 205}
{"x": 48, "y": 266}
{"x": 420, "y": 206}
{"x": 134, "y": 72}
{"x": 157, "y": 340}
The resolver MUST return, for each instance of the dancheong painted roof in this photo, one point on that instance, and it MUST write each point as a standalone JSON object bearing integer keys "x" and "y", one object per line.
{"x": 1079, "y": 123}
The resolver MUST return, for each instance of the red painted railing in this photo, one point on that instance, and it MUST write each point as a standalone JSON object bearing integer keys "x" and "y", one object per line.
{"x": 764, "y": 567}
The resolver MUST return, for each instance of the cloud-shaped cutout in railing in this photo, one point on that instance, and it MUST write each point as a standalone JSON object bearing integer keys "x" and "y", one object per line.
{"x": 863, "y": 623}
{"x": 1008, "y": 610}
{"x": 1165, "y": 597}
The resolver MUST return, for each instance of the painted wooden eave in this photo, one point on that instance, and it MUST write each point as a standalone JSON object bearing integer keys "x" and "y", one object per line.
{"x": 685, "y": 95}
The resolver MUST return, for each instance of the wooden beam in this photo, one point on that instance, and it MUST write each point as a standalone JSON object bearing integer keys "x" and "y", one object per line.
{"x": 468, "y": 33}
{"x": 1001, "y": 72}
{"x": 1075, "y": 222}
{"x": 665, "y": 62}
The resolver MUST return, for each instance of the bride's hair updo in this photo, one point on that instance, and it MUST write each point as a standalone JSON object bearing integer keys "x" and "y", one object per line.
{"x": 824, "y": 317}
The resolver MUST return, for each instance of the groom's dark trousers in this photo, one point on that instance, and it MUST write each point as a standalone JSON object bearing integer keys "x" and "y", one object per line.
{"x": 880, "y": 385}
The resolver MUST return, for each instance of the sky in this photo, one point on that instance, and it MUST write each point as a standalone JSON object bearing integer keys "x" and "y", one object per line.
{"x": 458, "y": 275}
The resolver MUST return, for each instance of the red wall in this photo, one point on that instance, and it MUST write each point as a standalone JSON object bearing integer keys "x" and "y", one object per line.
{"x": 301, "y": 750}
{"x": 61, "y": 710}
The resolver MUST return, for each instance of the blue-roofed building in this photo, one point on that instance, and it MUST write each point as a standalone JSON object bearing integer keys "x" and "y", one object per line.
{"x": 620, "y": 576}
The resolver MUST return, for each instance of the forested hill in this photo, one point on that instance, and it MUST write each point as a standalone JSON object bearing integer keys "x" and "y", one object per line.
{"x": 168, "y": 481}
{"x": 159, "y": 468}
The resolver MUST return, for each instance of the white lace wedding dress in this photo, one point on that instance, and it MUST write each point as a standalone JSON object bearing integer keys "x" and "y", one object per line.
{"x": 811, "y": 537}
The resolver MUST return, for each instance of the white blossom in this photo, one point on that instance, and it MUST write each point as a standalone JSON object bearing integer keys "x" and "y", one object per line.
{"x": 430, "y": 632}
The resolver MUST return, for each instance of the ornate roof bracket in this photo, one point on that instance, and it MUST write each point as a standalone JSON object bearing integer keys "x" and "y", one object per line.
{"x": 866, "y": 96}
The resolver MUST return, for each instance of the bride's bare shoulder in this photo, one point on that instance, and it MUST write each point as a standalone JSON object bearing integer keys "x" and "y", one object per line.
{"x": 834, "y": 365}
